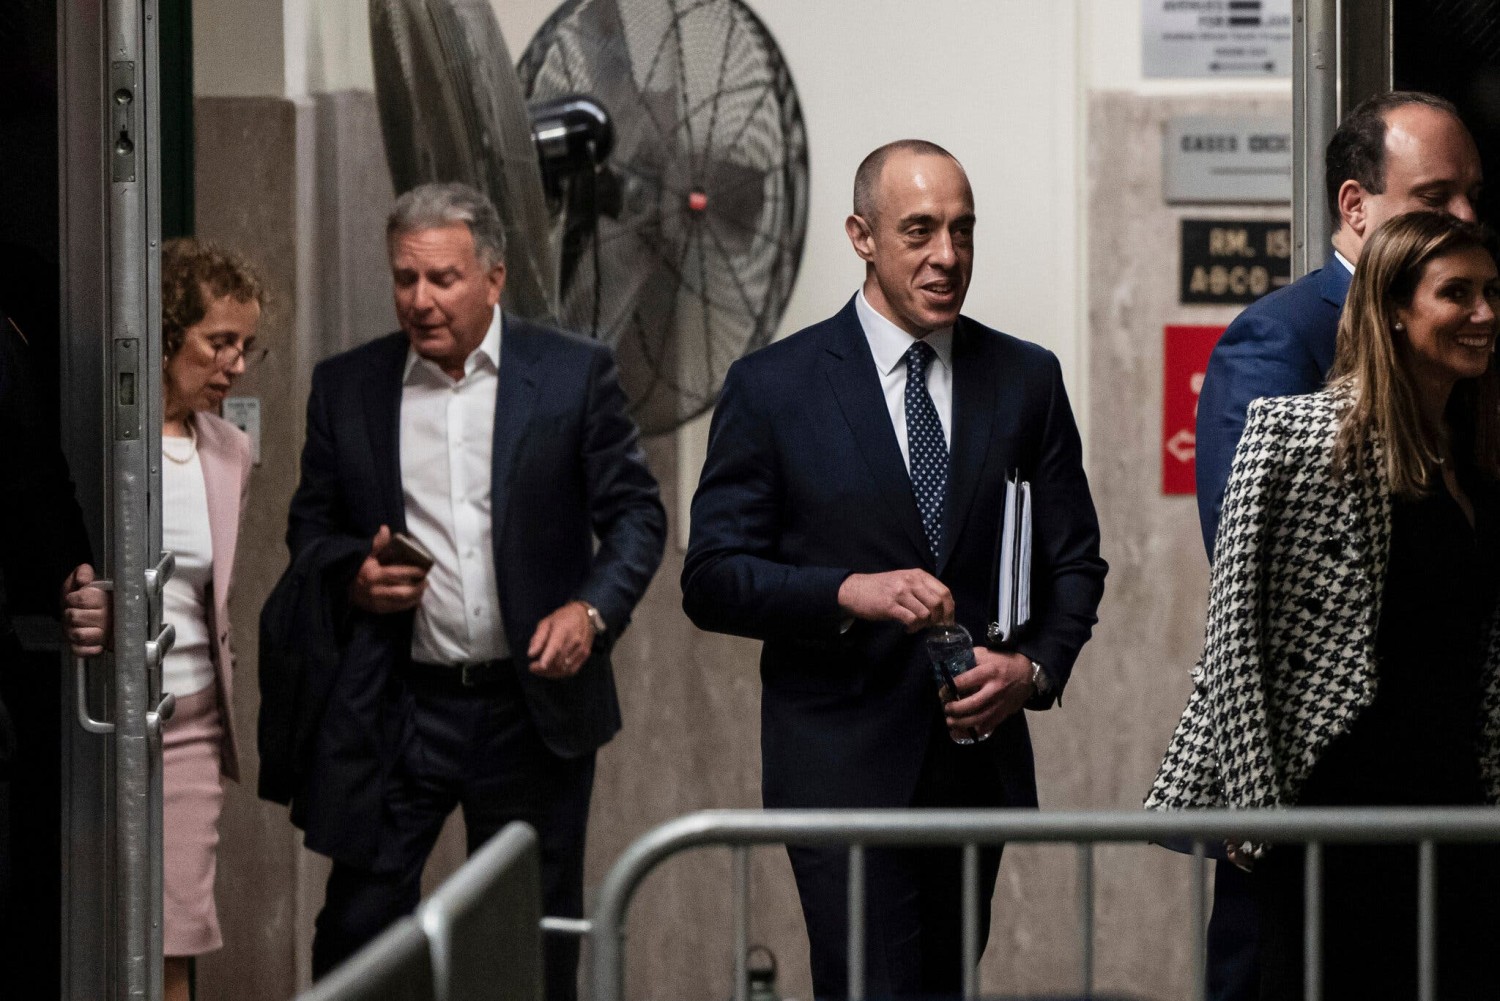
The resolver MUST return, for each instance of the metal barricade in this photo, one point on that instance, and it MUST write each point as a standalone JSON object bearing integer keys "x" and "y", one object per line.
{"x": 397, "y": 966}
{"x": 485, "y": 922}
{"x": 739, "y": 830}
{"x": 477, "y": 938}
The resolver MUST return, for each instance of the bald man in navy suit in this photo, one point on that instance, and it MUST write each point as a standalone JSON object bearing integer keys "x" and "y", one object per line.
{"x": 851, "y": 498}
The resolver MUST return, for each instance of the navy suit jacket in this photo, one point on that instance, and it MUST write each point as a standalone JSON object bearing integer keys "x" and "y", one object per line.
{"x": 804, "y": 484}
{"x": 1281, "y": 345}
{"x": 567, "y": 472}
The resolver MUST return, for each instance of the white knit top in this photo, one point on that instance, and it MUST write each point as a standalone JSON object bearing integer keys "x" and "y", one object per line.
{"x": 188, "y": 667}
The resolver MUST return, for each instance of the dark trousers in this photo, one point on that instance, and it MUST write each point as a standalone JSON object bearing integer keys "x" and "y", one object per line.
{"x": 476, "y": 749}
{"x": 913, "y": 896}
{"x": 30, "y": 820}
{"x": 1233, "y": 937}
{"x": 1369, "y": 932}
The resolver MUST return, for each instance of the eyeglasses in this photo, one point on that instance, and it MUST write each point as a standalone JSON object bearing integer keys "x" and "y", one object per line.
{"x": 225, "y": 355}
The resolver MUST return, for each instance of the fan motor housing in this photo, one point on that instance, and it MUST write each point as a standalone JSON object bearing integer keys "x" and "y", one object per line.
{"x": 573, "y": 134}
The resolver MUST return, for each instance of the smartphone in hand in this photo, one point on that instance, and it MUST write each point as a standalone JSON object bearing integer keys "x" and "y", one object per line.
{"x": 405, "y": 551}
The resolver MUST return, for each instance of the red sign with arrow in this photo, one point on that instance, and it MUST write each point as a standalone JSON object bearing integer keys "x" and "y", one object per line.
{"x": 1185, "y": 352}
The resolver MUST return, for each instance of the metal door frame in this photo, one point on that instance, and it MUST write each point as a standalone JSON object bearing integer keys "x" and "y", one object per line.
{"x": 1341, "y": 54}
{"x": 111, "y": 409}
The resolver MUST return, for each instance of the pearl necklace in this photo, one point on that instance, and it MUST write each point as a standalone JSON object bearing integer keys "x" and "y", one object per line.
{"x": 192, "y": 447}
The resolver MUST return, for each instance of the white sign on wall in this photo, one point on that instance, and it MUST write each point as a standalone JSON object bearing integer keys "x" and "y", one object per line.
{"x": 1216, "y": 38}
{"x": 1222, "y": 159}
{"x": 244, "y": 413}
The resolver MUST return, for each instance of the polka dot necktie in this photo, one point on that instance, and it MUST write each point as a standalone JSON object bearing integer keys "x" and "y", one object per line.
{"x": 926, "y": 449}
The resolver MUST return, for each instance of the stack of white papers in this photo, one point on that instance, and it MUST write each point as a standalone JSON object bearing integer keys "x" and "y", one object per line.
{"x": 1013, "y": 563}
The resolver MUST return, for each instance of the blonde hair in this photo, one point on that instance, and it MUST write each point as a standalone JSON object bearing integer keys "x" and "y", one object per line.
{"x": 1383, "y": 418}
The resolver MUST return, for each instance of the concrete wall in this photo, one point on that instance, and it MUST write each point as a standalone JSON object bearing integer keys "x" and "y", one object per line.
{"x": 1062, "y": 139}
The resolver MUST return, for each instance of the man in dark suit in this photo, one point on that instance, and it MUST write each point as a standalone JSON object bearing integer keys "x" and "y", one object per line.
{"x": 504, "y": 448}
{"x": 851, "y": 498}
{"x": 1395, "y": 153}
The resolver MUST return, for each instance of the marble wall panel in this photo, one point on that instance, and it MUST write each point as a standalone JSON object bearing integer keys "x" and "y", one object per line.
{"x": 1104, "y": 750}
{"x": 251, "y": 154}
{"x": 283, "y": 182}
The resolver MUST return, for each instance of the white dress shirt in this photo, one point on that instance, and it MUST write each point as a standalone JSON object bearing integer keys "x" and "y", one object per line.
{"x": 1348, "y": 266}
{"x": 447, "y": 439}
{"x": 889, "y": 344}
{"x": 188, "y": 666}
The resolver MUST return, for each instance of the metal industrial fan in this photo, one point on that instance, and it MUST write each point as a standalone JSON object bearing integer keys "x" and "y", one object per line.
{"x": 654, "y": 189}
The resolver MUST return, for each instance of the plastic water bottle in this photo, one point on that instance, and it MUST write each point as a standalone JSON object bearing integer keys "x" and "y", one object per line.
{"x": 951, "y": 651}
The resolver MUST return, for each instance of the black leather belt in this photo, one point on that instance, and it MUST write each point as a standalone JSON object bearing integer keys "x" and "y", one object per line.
{"x": 474, "y": 674}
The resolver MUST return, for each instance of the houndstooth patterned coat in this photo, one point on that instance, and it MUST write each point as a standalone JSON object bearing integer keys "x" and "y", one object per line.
{"x": 1294, "y": 605}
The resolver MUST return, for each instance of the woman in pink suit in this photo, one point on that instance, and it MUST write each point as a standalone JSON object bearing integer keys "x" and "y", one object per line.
{"x": 211, "y": 307}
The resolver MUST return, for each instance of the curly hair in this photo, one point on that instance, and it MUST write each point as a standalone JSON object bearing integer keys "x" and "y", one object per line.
{"x": 193, "y": 275}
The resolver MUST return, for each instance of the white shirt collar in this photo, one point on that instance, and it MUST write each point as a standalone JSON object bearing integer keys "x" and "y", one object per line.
{"x": 889, "y": 343}
{"x": 1344, "y": 261}
{"x": 488, "y": 352}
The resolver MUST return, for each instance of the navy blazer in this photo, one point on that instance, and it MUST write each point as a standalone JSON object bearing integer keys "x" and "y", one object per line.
{"x": 567, "y": 473}
{"x": 1280, "y": 345}
{"x": 804, "y": 484}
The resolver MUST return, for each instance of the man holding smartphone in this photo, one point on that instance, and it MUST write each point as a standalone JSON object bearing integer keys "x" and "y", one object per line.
{"x": 512, "y": 527}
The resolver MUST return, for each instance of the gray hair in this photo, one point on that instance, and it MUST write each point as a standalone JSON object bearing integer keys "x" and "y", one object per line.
{"x": 446, "y": 203}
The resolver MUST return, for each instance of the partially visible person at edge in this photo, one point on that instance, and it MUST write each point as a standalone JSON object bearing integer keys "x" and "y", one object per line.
{"x": 1352, "y": 656}
{"x": 44, "y": 537}
{"x": 211, "y": 311}
{"x": 1395, "y": 153}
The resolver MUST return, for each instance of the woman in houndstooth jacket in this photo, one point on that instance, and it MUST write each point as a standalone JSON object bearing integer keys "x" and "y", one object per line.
{"x": 1352, "y": 656}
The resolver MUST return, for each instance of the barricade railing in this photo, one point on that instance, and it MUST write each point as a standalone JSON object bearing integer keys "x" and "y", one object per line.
{"x": 396, "y": 966}
{"x": 479, "y": 936}
{"x": 1200, "y": 832}
{"x": 484, "y": 922}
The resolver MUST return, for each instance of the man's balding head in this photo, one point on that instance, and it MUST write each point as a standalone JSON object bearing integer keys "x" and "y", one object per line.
{"x": 913, "y": 226}
{"x": 867, "y": 177}
{"x": 1397, "y": 153}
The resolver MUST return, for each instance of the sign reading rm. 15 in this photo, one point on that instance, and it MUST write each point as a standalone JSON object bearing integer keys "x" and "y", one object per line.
{"x": 1233, "y": 261}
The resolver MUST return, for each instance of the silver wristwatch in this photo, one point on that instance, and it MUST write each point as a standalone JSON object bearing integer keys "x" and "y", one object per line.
{"x": 596, "y": 620}
{"x": 1039, "y": 680}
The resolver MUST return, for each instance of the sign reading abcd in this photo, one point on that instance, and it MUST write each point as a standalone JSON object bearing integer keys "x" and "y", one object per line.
{"x": 1233, "y": 261}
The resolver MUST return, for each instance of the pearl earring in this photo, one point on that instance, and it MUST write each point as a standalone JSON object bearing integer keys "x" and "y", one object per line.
{"x": 1400, "y": 326}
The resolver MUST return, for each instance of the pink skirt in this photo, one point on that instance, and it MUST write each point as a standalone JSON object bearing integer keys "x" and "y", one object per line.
{"x": 192, "y": 796}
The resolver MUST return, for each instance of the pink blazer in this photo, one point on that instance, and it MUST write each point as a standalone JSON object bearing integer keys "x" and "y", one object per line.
{"x": 224, "y": 453}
